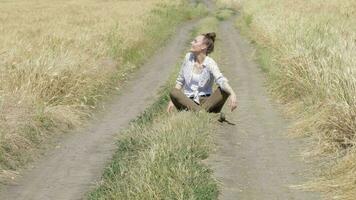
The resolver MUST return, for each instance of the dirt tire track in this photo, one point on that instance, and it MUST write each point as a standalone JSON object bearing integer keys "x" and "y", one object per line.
{"x": 70, "y": 171}
{"x": 254, "y": 158}
{"x": 209, "y": 5}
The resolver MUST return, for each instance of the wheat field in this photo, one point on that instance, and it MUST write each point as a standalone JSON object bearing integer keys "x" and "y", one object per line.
{"x": 308, "y": 49}
{"x": 59, "y": 58}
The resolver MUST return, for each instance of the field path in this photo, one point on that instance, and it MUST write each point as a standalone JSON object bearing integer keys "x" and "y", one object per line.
{"x": 254, "y": 158}
{"x": 69, "y": 171}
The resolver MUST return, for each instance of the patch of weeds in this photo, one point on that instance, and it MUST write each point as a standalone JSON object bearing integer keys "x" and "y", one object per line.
{"x": 248, "y": 18}
{"x": 223, "y": 14}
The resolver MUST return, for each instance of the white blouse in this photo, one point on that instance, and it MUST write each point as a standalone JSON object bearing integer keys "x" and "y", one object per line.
{"x": 201, "y": 84}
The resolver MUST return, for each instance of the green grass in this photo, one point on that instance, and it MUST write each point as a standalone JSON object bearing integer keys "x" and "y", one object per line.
{"x": 264, "y": 59}
{"x": 223, "y": 14}
{"x": 159, "y": 157}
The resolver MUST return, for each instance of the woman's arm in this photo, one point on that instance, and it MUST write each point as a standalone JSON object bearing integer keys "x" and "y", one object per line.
{"x": 227, "y": 88}
{"x": 179, "y": 82}
{"x": 233, "y": 99}
{"x": 224, "y": 85}
{"x": 178, "y": 86}
{"x": 180, "y": 78}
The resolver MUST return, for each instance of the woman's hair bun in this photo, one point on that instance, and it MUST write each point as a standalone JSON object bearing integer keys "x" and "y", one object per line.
{"x": 209, "y": 39}
{"x": 211, "y": 35}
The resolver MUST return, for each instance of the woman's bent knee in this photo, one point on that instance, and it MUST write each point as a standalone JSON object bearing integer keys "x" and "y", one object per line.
{"x": 174, "y": 93}
{"x": 223, "y": 92}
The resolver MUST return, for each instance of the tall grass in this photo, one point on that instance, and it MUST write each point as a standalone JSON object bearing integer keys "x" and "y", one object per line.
{"x": 159, "y": 156}
{"x": 308, "y": 49}
{"x": 58, "y": 59}
{"x": 161, "y": 160}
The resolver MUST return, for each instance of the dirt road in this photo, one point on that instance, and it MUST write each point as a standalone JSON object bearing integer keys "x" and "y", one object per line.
{"x": 69, "y": 171}
{"x": 254, "y": 158}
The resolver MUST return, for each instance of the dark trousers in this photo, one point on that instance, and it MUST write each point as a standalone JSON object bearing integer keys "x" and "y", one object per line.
{"x": 213, "y": 103}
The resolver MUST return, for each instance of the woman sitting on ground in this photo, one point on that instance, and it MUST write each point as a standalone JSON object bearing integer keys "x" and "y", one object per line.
{"x": 196, "y": 77}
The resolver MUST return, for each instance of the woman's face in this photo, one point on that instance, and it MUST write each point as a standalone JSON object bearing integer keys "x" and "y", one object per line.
{"x": 198, "y": 44}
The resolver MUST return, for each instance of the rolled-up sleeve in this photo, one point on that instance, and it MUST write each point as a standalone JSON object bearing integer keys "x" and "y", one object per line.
{"x": 218, "y": 76}
{"x": 180, "y": 79}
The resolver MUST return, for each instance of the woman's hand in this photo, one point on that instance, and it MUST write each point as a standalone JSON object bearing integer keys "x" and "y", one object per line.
{"x": 232, "y": 102}
{"x": 170, "y": 107}
{"x": 232, "y": 98}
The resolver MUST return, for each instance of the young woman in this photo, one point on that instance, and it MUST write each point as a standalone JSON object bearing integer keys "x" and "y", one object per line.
{"x": 196, "y": 78}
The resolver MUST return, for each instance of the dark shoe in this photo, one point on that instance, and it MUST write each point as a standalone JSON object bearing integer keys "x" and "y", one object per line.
{"x": 222, "y": 117}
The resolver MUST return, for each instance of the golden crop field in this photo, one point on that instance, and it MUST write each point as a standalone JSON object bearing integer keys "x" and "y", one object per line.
{"x": 308, "y": 48}
{"x": 57, "y": 58}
